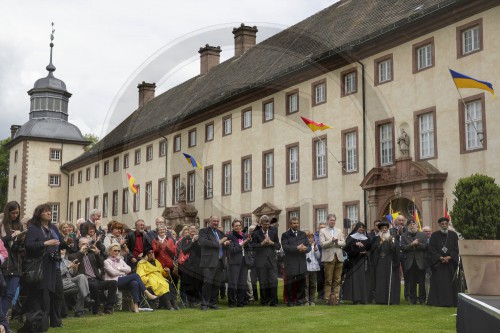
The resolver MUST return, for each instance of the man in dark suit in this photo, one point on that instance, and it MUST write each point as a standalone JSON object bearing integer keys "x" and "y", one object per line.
{"x": 265, "y": 243}
{"x": 94, "y": 219}
{"x": 296, "y": 245}
{"x": 89, "y": 264}
{"x": 138, "y": 242}
{"x": 212, "y": 242}
{"x": 414, "y": 246}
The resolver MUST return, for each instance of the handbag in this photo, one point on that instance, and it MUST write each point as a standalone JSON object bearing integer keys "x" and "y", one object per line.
{"x": 33, "y": 270}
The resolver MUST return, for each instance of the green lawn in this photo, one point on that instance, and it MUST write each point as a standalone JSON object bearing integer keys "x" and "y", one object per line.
{"x": 255, "y": 318}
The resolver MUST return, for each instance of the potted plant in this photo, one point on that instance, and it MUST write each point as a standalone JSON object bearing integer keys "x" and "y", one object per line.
{"x": 476, "y": 215}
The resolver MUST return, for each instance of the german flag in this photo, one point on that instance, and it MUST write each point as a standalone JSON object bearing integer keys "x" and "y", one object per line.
{"x": 314, "y": 126}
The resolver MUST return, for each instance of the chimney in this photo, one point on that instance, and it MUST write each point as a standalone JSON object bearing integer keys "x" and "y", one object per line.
{"x": 244, "y": 39}
{"x": 13, "y": 130}
{"x": 146, "y": 92}
{"x": 209, "y": 58}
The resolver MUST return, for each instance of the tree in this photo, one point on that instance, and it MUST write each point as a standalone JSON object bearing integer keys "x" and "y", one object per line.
{"x": 476, "y": 207}
{"x": 4, "y": 172}
{"x": 93, "y": 140}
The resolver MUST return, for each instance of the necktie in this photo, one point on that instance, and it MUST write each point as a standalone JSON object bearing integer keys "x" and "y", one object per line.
{"x": 295, "y": 233}
{"x": 218, "y": 240}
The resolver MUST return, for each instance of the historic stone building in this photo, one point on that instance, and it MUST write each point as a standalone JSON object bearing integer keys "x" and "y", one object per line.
{"x": 375, "y": 71}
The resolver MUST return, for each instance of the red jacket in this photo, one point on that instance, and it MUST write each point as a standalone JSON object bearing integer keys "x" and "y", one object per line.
{"x": 165, "y": 252}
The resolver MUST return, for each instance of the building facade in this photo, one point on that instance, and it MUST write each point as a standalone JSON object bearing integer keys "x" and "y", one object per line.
{"x": 375, "y": 71}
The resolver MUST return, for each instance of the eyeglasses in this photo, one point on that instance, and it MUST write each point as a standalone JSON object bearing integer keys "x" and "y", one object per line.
{"x": 116, "y": 250}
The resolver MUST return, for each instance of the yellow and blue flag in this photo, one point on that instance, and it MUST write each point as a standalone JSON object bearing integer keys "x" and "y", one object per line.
{"x": 192, "y": 161}
{"x": 464, "y": 81}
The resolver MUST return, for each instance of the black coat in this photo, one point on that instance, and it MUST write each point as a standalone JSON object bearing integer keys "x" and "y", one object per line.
{"x": 15, "y": 248}
{"x": 235, "y": 251}
{"x": 265, "y": 256}
{"x": 295, "y": 261}
{"x": 209, "y": 246}
{"x": 146, "y": 241}
{"x": 412, "y": 253}
{"x": 96, "y": 261}
{"x": 35, "y": 237}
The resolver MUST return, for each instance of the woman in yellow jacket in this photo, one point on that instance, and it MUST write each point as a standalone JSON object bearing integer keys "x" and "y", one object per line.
{"x": 155, "y": 277}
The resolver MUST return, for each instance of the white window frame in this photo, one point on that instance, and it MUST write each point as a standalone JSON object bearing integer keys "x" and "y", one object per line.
{"x": 227, "y": 179}
{"x": 228, "y": 125}
{"x": 473, "y": 124}
{"x": 54, "y": 180}
{"x": 149, "y": 195}
{"x": 209, "y": 132}
{"x": 320, "y": 93}
{"x": 161, "y": 193}
{"x": 293, "y": 103}
{"x": 424, "y": 56}
{"x": 177, "y": 143}
{"x": 351, "y": 152}
{"x": 191, "y": 187}
{"x": 55, "y": 213}
{"x": 293, "y": 164}
{"x": 192, "y": 138}
{"x": 352, "y": 213}
{"x": 471, "y": 40}
{"x": 321, "y": 215}
{"x": 177, "y": 187}
{"x": 320, "y": 167}
{"x": 350, "y": 83}
{"x": 247, "y": 119}
{"x": 426, "y": 133}
{"x": 269, "y": 170}
{"x": 55, "y": 154}
{"x": 386, "y": 144}
{"x": 247, "y": 174}
{"x": 269, "y": 111}
{"x": 209, "y": 179}
{"x": 385, "y": 71}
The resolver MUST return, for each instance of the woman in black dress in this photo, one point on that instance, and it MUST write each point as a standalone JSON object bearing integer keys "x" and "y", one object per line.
{"x": 192, "y": 277}
{"x": 357, "y": 276}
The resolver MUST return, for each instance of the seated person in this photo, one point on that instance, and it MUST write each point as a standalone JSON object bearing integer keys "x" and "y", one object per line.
{"x": 154, "y": 277}
{"x": 74, "y": 283}
{"x": 116, "y": 269}
{"x": 90, "y": 262}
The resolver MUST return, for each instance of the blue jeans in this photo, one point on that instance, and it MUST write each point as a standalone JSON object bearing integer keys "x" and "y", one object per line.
{"x": 133, "y": 283}
{"x": 12, "y": 282}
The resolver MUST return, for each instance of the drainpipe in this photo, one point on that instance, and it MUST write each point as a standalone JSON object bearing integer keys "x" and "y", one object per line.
{"x": 166, "y": 167}
{"x": 364, "y": 135}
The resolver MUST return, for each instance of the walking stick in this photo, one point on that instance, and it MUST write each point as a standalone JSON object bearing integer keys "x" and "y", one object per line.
{"x": 175, "y": 288}
{"x": 390, "y": 285}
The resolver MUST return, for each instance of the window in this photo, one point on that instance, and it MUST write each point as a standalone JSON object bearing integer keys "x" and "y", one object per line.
{"x": 87, "y": 174}
{"x": 106, "y": 168}
{"x": 472, "y": 124}
{"x": 87, "y": 208}
{"x": 226, "y": 178}
{"x": 14, "y": 182}
{"x": 383, "y": 69}
{"x": 55, "y": 212}
{"x": 161, "y": 193}
{"x": 125, "y": 200}
{"x": 15, "y": 156}
{"x": 116, "y": 164}
{"x": 292, "y": 102}
{"x": 55, "y": 154}
{"x": 246, "y": 173}
{"x": 191, "y": 186}
{"x": 96, "y": 202}
{"x": 351, "y": 211}
{"x": 125, "y": 161}
{"x": 470, "y": 38}
{"x": 114, "y": 210}
{"x": 54, "y": 180}
{"x": 268, "y": 107}
{"x": 72, "y": 179}
{"x": 386, "y": 152}
{"x": 226, "y": 222}
{"x": 176, "y": 189}
{"x": 192, "y": 138}
{"x": 425, "y": 134}
{"x": 149, "y": 153}
{"x": 209, "y": 131}
{"x": 318, "y": 92}
{"x": 227, "y": 126}
{"x": 105, "y": 205}
{"x": 137, "y": 199}
{"x": 80, "y": 177}
{"x": 70, "y": 213}
{"x": 162, "y": 148}
{"x": 292, "y": 164}
{"x": 177, "y": 143}
{"x": 292, "y": 212}
{"x": 350, "y": 150}
{"x": 423, "y": 55}
{"x": 319, "y": 157}
{"x": 96, "y": 171}
{"x": 209, "y": 182}
{"x": 349, "y": 82}
{"x": 149, "y": 195}
{"x": 137, "y": 157}
{"x": 320, "y": 214}
{"x": 78, "y": 209}
{"x": 268, "y": 169}
{"x": 246, "y": 118}
{"x": 247, "y": 220}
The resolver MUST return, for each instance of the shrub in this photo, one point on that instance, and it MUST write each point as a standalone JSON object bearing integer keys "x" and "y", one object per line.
{"x": 476, "y": 207}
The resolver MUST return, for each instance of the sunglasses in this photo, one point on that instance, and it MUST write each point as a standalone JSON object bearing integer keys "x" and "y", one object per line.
{"x": 116, "y": 250}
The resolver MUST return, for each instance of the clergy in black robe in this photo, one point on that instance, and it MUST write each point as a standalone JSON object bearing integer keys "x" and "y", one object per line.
{"x": 443, "y": 260}
{"x": 356, "y": 285}
{"x": 386, "y": 255}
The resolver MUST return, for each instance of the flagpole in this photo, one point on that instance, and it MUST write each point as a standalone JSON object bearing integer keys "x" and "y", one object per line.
{"x": 339, "y": 162}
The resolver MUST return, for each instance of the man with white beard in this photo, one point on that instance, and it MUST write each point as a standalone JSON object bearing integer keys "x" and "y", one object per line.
{"x": 414, "y": 246}
{"x": 443, "y": 260}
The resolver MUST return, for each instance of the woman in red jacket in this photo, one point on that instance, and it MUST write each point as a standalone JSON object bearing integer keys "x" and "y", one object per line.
{"x": 164, "y": 249}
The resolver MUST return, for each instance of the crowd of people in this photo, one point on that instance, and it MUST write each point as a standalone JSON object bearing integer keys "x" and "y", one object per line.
{"x": 93, "y": 267}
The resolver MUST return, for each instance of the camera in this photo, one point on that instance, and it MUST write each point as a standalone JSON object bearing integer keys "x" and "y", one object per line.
{"x": 91, "y": 243}
{"x": 56, "y": 256}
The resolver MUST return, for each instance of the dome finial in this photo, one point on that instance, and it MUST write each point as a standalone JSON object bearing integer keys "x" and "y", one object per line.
{"x": 50, "y": 67}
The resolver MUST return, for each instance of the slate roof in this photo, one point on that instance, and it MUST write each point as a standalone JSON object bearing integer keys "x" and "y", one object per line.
{"x": 51, "y": 129}
{"x": 345, "y": 24}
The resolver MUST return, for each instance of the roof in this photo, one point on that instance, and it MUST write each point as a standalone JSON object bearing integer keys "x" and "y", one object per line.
{"x": 343, "y": 25}
{"x": 50, "y": 129}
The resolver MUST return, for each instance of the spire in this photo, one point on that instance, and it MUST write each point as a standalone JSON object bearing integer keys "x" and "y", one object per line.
{"x": 50, "y": 67}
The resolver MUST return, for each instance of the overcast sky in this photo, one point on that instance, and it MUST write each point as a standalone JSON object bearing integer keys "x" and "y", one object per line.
{"x": 103, "y": 49}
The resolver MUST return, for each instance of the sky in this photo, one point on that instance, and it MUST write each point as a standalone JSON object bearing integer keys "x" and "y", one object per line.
{"x": 103, "y": 49}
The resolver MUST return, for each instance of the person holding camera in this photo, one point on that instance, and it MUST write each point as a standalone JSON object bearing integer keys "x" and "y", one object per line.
{"x": 42, "y": 237}
{"x": 90, "y": 262}
{"x": 313, "y": 268}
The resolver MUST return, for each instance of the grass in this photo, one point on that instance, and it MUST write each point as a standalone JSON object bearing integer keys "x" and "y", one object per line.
{"x": 256, "y": 319}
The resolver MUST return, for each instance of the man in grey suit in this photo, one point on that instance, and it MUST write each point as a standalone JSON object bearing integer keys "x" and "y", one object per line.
{"x": 414, "y": 246}
{"x": 212, "y": 242}
{"x": 296, "y": 245}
